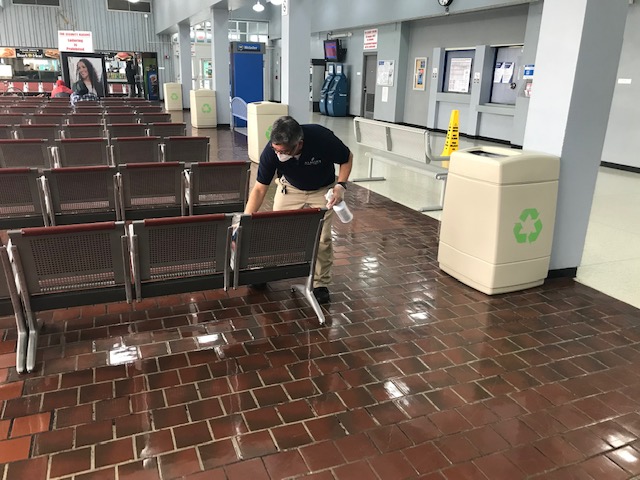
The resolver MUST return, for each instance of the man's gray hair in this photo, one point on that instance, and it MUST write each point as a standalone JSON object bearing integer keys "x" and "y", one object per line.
{"x": 286, "y": 131}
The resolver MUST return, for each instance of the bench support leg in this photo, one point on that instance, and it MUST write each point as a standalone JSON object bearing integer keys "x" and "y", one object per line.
{"x": 433, "y": 208}
{"x": 370, "y": 178}
{"x": 308, "y": 293}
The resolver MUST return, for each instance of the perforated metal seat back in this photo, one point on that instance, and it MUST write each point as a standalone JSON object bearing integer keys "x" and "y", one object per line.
{"x": 57, "y": 109}
{"x": 85, "y": 117}
{"x": 78, "y": 257}
{"x": 167, "y": 129}
{"x": 24, "y": 153}
{"x": 183, "y": 249}
{"x": 154, "y": 117}
{"x": 19, "y": 194}
{"x": 275, "y": 239}
{"x": 48, "y": 118}
{"x": 24, "y": 109}
{"x": 48, "y": 132}
{"x": 154, "y": 185}
{"x": 148, "y": 109}
{"x": 138, "y": 150}
{"x": 219, "y": 183}
{"x": 82, "y": 190}
{"x": 116, "y": 130}
{"x": 120, "y": 117}
{"x": 6, "y": 132}
{"x": 83, "y": 152}
{"x": 91, "y": 130}
{"x": 13, "y": 119}
{"x": 4, "y": 288}
{"x": 91, "y": 108}
{"x": 186, "y": 149}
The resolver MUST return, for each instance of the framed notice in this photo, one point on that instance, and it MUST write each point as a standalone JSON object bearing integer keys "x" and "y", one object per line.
{"x": 419, "y": 73}
{"x": 459, "y": 75}
{"x": 385, "y": 73}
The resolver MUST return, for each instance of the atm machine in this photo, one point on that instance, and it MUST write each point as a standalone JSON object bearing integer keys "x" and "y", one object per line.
{"x": 331, "y": 73}
{"x": 338, "y": 94}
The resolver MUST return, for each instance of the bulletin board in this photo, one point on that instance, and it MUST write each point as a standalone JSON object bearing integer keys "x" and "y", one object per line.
{"x": 505, "y": 75}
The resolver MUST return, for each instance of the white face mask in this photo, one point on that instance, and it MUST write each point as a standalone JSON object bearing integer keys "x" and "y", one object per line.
{"x": 283, "y": 157}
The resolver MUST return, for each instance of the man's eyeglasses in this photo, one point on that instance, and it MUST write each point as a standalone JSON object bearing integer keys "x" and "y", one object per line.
{"x": 284, "y": 150}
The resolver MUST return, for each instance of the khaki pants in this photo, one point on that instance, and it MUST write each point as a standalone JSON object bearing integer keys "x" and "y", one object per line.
{"x": 295, "y": 199}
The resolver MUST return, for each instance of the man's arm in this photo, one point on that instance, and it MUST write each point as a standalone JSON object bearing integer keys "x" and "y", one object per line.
{"x": 256, "y": 197}
{"x": 343, "y": 176}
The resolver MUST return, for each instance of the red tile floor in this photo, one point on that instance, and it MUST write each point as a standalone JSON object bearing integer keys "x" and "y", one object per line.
{"x": 414, "y": 375}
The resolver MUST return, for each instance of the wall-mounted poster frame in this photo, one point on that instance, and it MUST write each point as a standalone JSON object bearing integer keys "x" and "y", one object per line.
{"x": 92, "y": 70}
{"x": 386, "y": 73}
{"x": 419, "y": 73}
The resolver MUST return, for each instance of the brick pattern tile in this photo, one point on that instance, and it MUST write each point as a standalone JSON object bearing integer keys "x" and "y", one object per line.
{"x": 414, "y": 375}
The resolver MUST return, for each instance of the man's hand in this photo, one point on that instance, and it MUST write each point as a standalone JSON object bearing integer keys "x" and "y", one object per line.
{"x": 338, "y": 195}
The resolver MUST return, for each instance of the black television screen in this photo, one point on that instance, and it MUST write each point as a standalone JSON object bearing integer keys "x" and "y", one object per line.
{"x": 332, "y": 50}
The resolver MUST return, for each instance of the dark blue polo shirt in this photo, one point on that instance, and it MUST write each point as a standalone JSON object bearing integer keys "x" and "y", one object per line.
{"x": 314, "y": 169}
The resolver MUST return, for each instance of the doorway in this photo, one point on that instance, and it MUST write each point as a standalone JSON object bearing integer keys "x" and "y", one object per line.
{"x": 369, "y": 87}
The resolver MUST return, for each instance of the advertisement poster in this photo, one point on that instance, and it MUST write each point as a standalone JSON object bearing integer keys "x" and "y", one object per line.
{"x": 419, "y": 73}
{"x": 85, "y": 68}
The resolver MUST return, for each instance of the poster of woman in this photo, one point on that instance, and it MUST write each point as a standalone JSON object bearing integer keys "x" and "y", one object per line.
{"x": 86, "y": 70}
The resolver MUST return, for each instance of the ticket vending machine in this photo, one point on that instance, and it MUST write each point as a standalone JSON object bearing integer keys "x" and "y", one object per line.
{"x": 331, "y": 73}
{"x": 246, "y": 76}
{"x": 338, "y": 94}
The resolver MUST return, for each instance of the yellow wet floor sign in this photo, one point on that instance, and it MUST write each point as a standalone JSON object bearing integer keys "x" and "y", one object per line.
{"x": 451, "y": 144}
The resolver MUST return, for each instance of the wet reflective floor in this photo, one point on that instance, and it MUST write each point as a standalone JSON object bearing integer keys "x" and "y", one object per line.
{"x": 414, "y": 375}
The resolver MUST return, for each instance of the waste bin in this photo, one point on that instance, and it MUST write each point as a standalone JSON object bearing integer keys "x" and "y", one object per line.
{"x": 172, "y": 96}
{"x": 497, "y": 221}
{"x": 260, "y": 117}
{"x": 203, "y": 108}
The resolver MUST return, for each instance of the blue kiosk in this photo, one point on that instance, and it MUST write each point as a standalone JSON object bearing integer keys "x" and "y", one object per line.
{"x": 331, "y": 73}
{"x": 246, "y": 75}
{"x": 338, "y": 94}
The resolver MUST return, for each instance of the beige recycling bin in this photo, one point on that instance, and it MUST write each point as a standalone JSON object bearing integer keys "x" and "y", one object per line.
{"x": 260, "y": 117}
{"x": 172, "y": 96}
{"x": 203, "y": 108}
{"x": 498, "y": 217}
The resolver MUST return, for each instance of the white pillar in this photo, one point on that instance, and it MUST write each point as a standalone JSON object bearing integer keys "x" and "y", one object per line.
{"x": 575, "y": 72}
{"x": 184, "y": 30}
{"x": 220, "y": 60}
{"x": 296, "y": 57}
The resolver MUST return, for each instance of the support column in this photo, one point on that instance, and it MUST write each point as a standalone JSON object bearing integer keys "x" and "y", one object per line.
{"x": 296, "y": 57}
{"x": 184, "y": 39}
{"x": 220, "y": 60}
{"x": 575, "y": 73}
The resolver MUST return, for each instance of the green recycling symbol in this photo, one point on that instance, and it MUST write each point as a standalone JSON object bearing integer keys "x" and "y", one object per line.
{"x": 268, "y": 132}
{"x": 527, "y": 213}
{"x": 174, "y": 96}
{"x": 206, "y": 108}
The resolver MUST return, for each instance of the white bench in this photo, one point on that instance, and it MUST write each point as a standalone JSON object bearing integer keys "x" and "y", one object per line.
{"x": 238, "y": 111}
{"x": 409, "y": 147}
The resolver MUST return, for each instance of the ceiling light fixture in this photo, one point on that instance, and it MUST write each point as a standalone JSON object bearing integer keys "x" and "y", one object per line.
{"x": 133, "y": 1}
{"x": 258, "y": 7}
{"x": 276, "y": 2}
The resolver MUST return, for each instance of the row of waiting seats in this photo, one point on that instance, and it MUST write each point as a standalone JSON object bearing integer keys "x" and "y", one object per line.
{"x": 67, "y": 266}
{"x": 52, "y": 132}
{"x": 82, "y": 117}
{"x": 34, "y": 108}
{"x": 63, "y": 196}
{"x": 74, "y": 152}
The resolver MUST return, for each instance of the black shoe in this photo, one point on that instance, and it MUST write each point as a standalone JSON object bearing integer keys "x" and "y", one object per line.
{"x": 258, "y": 286}
{"x": 322, "y": 294}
